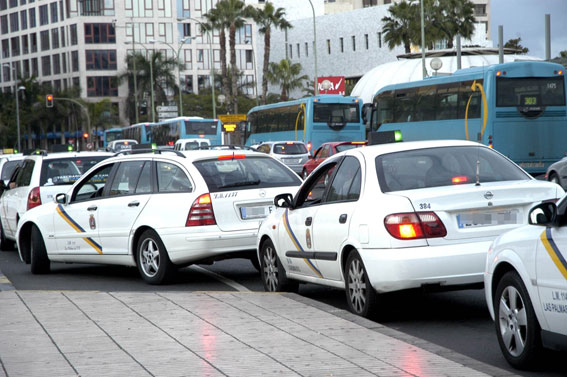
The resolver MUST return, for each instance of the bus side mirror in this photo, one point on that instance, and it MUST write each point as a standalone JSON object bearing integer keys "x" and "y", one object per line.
{"x": 366, "y": 110}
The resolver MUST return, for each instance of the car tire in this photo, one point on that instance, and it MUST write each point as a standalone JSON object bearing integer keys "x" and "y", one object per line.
{"x": 152, "y": 259}
{"x": 361, "y": 296}
{"x": 273, "y": 272}
{"x": 515, "y": 321}
{"x": 5, "y": 245}
{"x": 40, "y": 263}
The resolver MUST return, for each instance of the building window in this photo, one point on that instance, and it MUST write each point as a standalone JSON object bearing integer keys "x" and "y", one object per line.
{"x": 62, "y": 33}
{"x": 75, "y": 61}
{"x": 64, "y": 62}
{"x": 4, "y": 24}
{"x": 46, "y": 65}
{"x": 34, "y": 67}
{"x": 61, "y": 11}
{"x": 25, "y": 45}
{"x": 186, "y": 30}
{"x": 479, "y": 10}
{"x": 55, "y": 38}
{"x": 342, "y": 43}
{"x": 44, "y": 40}
{"x": 3, "y": 6}
{"x": 306, "y": 49}
{"x": 5, "y": 48}
{"x": 100, "y": 8}
{"x": 56, "y": 64}
{"x": 353, "y": 43}
{"x": 203, "y": 82}
{"x": 249, "y": 56}
{"x": 53, "y": 8}
{"x": 13, "y": 3}
{"x": 14, "y": 22}
{"x": 101, "y": 59}
{"x": 366, "y": 40}
{"x": 74, "y": 39}
{"x": 100, "y": 33}
{"x": 24, "y": 19}
{"x": 43, "y": 15}
{"x": 31, "y": 14}
{"x": 188, "y": 84}
{"x": 379, "y": 39}
{"x": 329, "y": 46}
{"x": 76, "y": 82}
{"x": 102, "y": 86}
{"x": 15, "y": 46}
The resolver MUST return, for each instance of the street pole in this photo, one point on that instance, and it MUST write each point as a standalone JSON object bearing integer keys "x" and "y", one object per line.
{"x": 176, "y": 52}
{"x": 423, "y": 41}
{"x": 135, "y": 72}
{"x": 16, "y": 92}
{"x": 314, "y": 49}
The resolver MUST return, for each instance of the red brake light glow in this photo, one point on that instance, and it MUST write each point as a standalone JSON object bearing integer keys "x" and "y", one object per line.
{"x": 460, "y": 179}
{"x": 34, "y": 199}
{"x": 201, "y": 212}
{"x": 309, "y": 145}
{"x": 231, "y": 157}
{"x": 414, "y": 225}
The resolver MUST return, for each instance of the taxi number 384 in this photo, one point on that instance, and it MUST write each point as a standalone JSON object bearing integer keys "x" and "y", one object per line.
{"x": 424, "y": 205}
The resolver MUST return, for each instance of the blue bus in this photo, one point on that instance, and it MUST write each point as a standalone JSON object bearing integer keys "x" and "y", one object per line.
{"x": 313, "y": 120}
{"x": 141, "y": 132}
{"x": 518, "y": 108}
{"x": 112, "y": 134}
{"x": 167, "y": 132}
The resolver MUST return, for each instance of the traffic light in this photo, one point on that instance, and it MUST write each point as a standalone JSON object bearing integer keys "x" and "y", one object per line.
{"x": 86, "y": 135}
{"x": 49, "y": 100}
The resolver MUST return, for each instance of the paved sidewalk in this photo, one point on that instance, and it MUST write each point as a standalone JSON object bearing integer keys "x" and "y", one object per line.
{"x": 84, "y": 333}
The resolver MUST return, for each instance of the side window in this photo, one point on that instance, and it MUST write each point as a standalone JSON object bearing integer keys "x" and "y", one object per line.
{"x": 25, "y": 174}
{"x": 313, "y": 192}
{"x": 346, "y": 184}
{"x": 171, "y": 178}
{"x": 93, "y": 186}
{"x": 325, "y": 152}
{"x": 126, "y": 178}
{"x": 144, "y": 185}
{"x": 264, "y": 148}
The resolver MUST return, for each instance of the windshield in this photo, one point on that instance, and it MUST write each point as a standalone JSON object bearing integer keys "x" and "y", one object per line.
{"x": 9, "y": 168}
{"x": 293, "y": 148}
{"x": 201, "y": 128}
{"x": 446, "y": 166}
{"x": 65, "y": 171}
{"x": 530, "y": 91}
{"x": 245, "y": 173}
{"x": 113, "y": 135}
{"x": 336, "y": 112}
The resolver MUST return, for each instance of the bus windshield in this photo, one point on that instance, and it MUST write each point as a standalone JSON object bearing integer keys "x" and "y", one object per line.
{"x": 530, "y": 91}
{"x": 113, "y": 135}
{"x": 201, "y": 128}
{"x": 336, "y": 112}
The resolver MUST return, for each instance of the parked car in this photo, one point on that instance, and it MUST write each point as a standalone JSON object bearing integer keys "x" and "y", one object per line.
{"x": 526, "y": 285}
{"x": 396, "y": 216}
{"x": 557, "y": 173}
{"x": 121, "y": 145}
{"x": 37, "y": 181}
{"x": 327, "y": 150}
{"x": 158, "y": 211}
{"x": 191, "y": 144}
{"x": 292, "y": 153}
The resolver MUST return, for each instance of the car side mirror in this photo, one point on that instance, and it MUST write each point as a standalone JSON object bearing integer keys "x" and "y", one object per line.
{"x": 543, "y": 214}
{"x": 61, "y": 198}
{"x": 283, "y": 201}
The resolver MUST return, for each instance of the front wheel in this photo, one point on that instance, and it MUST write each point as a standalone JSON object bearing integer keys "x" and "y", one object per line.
{"x": 516, "y": 324}
{"x": 40, "y": 263}
{"x": 272, "y": 271}
{"x": 154, "y": 264}
{"x": 361, "y": 297}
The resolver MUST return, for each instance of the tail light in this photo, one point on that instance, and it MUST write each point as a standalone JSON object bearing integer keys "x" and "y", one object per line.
{"x": 414, "y": 225}
{"x": 309, "y": 146}
{"x": 201, "y": 212}
{"x": 34, "y": 199}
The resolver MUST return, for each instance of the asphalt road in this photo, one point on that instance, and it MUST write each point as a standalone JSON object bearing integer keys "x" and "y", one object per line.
{"x": 456, "y": 320}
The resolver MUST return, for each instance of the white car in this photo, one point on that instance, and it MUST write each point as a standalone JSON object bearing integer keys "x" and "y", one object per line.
{"x": 526, "y": 285}
{"x": 121, "y": 145}
{"x": 191, "y": 144}
{"x": 158, "y": 211}
{"x": 39, "y": 178}
{"x": 397, "y": 216}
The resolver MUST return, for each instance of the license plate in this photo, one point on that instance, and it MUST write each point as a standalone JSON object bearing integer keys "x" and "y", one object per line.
{"x": 479, "y": 219}
{"x": 257, "y": 212}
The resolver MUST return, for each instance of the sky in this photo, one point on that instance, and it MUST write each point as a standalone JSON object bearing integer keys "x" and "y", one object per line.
{"x": 526, "y": 19}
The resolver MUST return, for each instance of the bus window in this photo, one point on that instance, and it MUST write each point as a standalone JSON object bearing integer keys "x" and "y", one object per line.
{"x": 404, "y": 105}
{"x": 336, "y": 112}
{"x": 447, "y": 102}
{"x": 384, "y": 109}
{"x": 425, "y": 103}
{"x": 466, "y": 93}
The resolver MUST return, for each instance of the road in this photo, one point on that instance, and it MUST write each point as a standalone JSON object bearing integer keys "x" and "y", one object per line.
{"x": 455, "y": 320}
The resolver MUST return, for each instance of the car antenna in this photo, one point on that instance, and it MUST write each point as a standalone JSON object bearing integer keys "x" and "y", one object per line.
{"x": 477, "y": 173}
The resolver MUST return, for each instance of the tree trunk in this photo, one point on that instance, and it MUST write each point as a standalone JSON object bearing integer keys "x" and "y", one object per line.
{"x": 266, "y": 64}
{"x": 224, "y": 69}
{"x": 232, "y": 44}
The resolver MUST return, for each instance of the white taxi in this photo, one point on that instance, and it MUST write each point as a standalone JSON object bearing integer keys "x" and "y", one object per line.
{"x": 397, "y": 216}
{"x": 526, "y": 285}
{"x": 158, "y": 211}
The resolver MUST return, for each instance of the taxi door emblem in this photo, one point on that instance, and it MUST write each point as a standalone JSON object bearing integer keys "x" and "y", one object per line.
{"x": 308, "y": 238}
{"x": 92, "y": 222}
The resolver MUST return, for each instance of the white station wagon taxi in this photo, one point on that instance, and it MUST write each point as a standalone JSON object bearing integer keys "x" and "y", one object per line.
{"x": 526, "y": 285}
{"x": 397, "y": 216}
{"x": 158, "y": 212}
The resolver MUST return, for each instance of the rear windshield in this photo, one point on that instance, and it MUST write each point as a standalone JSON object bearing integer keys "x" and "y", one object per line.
{"x": 65, "y": 171}
{"x": 346, "y": 147}
{"x": 530, "y": 91}
{"x": 200, "y": 128}
{"x": 245, "y": 173}
{"x": 290, "y": 148}
{"x": 336, "y": 112}
{"x": 446, "y": 166}
{"x": 9, "y": 168}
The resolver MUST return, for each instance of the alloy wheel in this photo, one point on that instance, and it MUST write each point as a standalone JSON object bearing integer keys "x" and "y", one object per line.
{"x": 149, "y": 257}
{"x": 357, "y": 286}
{"x": 270, "y": 269}
{"x": 513, "y": 321}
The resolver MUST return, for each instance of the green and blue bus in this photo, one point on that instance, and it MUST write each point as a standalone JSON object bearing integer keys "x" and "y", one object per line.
{"x": 313, "y": 120}
{"x": 167, "y": 132}
{"x": 518, "y": 108}
{"x": 111, "y": 134}
{"x": 141, "y": 132}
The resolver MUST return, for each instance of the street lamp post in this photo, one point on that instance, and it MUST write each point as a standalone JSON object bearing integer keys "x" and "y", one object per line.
{"x": 183, "y": 41}
{"x": 152, "y": 41}
{"x": 315, "y": 49}
{"x": 17, "y": 94}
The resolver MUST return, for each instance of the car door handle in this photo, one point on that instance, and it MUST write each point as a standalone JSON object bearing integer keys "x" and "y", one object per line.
{"x": 308, "y": 221}
{"x": 134, "y": 204}
{"x": 92, "y": 208}
{"x": 342, "y": 218}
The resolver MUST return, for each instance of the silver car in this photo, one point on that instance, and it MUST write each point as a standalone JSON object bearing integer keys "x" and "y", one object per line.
{"x": 292, "y": 153}
{"x": 557, "y": 173}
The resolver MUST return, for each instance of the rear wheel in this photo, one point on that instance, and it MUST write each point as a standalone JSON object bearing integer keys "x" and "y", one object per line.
{"x": 361, "y": 297}
{"x": 38, "y": 254}
{"x": 272, "y": 271}
{"x": 154, "y": 264}
{"x": 516, "y": 324}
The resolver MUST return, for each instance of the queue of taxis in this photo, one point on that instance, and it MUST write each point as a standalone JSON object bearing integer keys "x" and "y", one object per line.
{"x": 157, "y": 211}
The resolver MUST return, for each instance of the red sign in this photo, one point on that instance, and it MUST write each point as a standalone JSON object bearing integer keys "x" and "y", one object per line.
{"x": 331, "y": 85}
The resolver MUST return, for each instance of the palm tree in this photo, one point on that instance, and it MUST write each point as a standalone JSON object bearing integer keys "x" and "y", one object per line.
{"x": 216, "y": 22}
{"x": 266, "y": 19}
{"x": 286, "y": 75}
{"x": 452, "y": 18}
{"x": 401, "y": 28}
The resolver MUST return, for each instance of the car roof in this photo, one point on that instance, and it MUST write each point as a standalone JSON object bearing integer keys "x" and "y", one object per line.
{"x": 379, "y": 149}
{"x": 190, "y": 156}
{"x": 283, "y": 142}
{"x": 56, "y": 155}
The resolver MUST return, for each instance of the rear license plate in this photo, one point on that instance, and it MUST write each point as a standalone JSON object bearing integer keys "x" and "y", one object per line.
{"x": 479, "y": 219}
{"x": 257, "y": 212}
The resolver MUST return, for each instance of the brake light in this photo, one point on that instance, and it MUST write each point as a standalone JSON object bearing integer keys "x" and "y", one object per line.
{"x": 309, "y": 145}
{"x": 460, "y": 179}
{"x": 289, "y": 142}
{"x": 201, "y": 212}
{"x": 358, "y": 142}
{"x": 34, "y": 199}
{"x": 231, "y": 157}
{"x": 414, "y": 225}
{"x": 490, "y": 142}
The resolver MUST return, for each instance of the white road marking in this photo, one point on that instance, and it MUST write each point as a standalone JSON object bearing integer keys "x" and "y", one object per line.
{"x": 222, "y": 279}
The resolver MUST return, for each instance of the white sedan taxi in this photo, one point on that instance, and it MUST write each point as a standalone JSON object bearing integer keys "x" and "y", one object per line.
{"x": 526, "y": 286}
{"x": 158, "y": 212}
{"x": 397, "y": 216}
